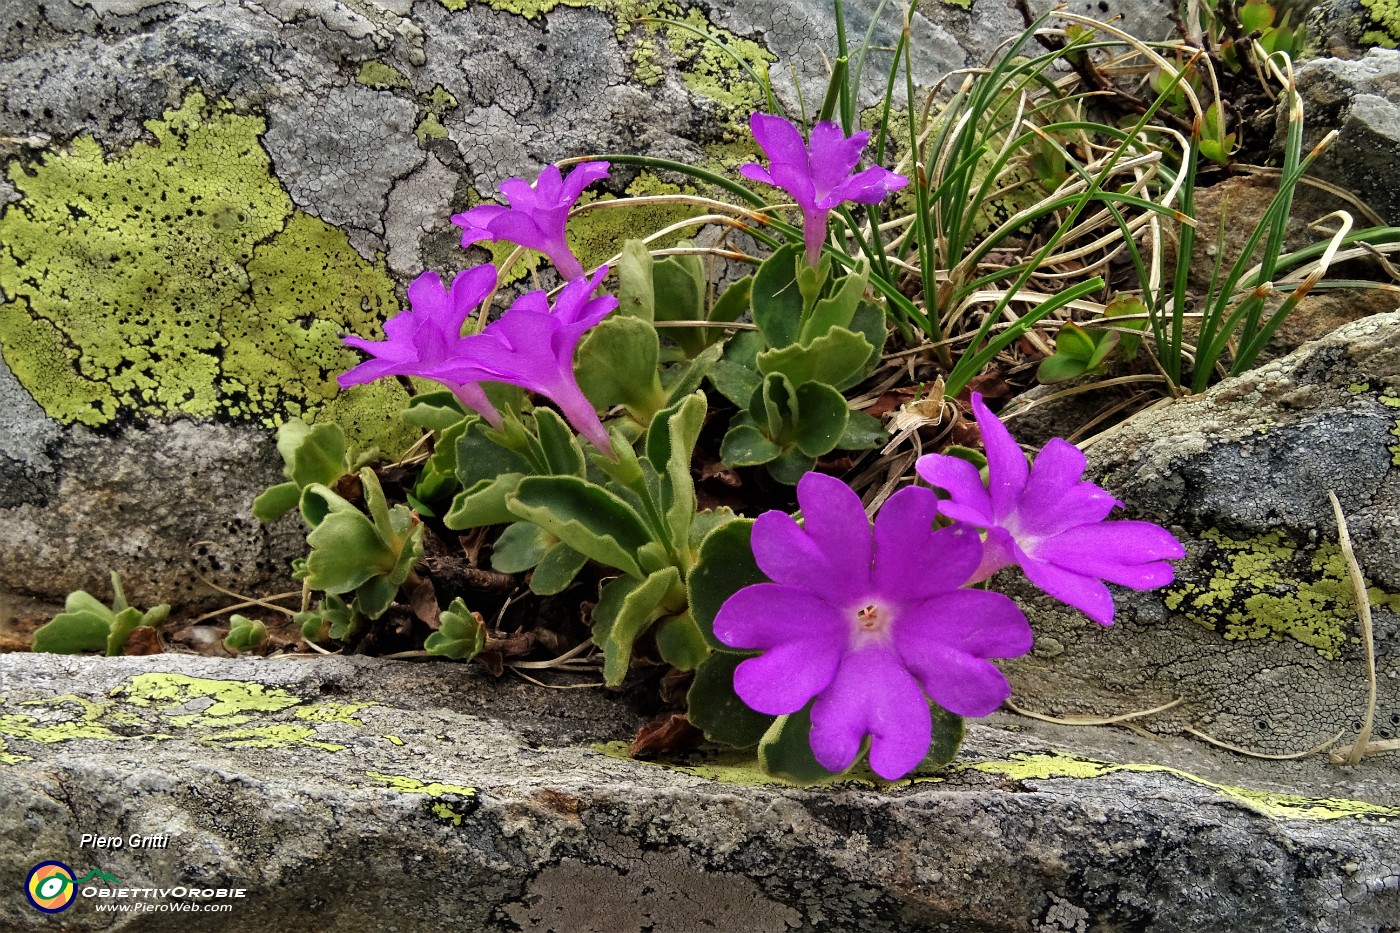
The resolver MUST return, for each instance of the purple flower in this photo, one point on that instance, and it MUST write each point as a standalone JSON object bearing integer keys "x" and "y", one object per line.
{"x": 869, "y": 624}
{"x": 1050, "y": 521}
{"x": 532, "y": 346}
{"x": 422, "y": 340}
{"x": 536, "y": 215}
{"x": 818, "y": 176}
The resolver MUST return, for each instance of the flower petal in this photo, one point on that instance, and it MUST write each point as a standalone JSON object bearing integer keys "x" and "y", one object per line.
{"x": 779, "y": 139}
{"x": 913, "y": 562}
{"x": 962, "y": 481}
{"x": 765, "y": 615}
{"x": 835, "y": 520}
{"x": 1129, "y": 553}
{"x": 1007, "y": 470}
{"x": 788, "y": 555}
{"x": 476, "y": 223}
{"x": 872, "y": 694}
{"x": 583, "y": 175}
{"x": 977, "y": 623}
{"x": 961, "y": 683}
{"x": 469, "y": 288}
{"x": 833, "y": 156}
{"x": 1056, "y": 497}
{"x": 755, "y": 172}
{"x": 785, "y": 678}
{"x": 1087, "y": 594}
{"x": 428, "y": 297}
{"x": 870, "y": 186}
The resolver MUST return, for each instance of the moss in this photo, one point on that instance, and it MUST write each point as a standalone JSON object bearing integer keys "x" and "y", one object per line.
{"x": 1270, "y": 587}
{"x": 381, "y": 76}
{"x": 177, "y": 277}
{"x": 1268, "y": 803}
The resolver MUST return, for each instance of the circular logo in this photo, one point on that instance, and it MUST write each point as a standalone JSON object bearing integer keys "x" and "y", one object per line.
{"x": 50, "y": 887}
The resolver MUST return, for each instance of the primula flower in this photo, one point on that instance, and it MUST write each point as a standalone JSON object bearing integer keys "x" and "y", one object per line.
{"x": 533, "y": 347}
{"x": 422, "y": 340}
{"x": 536, "y": 216}
{"x": 868, "y": 624}
{"x": 818, "y": 176}
{"x": 1050, "y": 521}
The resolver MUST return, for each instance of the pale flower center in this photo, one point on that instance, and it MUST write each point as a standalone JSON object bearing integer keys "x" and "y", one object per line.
{"x": 872, "y": 623}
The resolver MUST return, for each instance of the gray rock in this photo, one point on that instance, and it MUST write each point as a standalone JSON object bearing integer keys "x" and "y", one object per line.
{"x": 1258, "y": 634}
{"x": 351, "y": 794}
{"x": 1358, "y": 98}
{"x": 155, "y": 505}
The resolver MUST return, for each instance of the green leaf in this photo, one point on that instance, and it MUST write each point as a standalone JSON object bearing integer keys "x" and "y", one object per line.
{"x": 790, "y": 467}
{"x": 461, "y": 634}
{"x": 1074, "y": 342}
{"x": 313, "y": 453}
{"x": 724, "y": 567}
{"x": 1255, "y": 15}
{"x": 831, "y": 358}
{"x": 556, "y": 570}
{"x": 735, "y": 381}
{"x": 785, "y": 751}
{"x": 822, "y": 417}
{"x": 1058, "y": 368}
{"x": 347, "y": 549}
{"x": 680, "y": 296}
{"x": 276, "y": 501}
{"x": 521, "y": 546}
{"x": 746, "y": 445}
{"x": 483, "y": 503}
{"x": 626, "y": 608}
{"x": 616, "y": 364}
{"x": 670, "y": 444}
{"x": 731, "y": 306}
{"x": 777, "y": 302}
{"x": 434, "y": 411}
{"x": 839, "y": 309}
{"x": 634, "y": 282}
{"x": 123, "y": 624}
{"x": 562, "y": 453}
{"x": 1126, "y": 306}
{"x": 1107, "y": 342}
{"x": 947, "y": 737}
{"x": 74, "y": 632}
{"x": 481, "y": 458}
{"x": 863, "y": 432}
{"x": 869, "y": 322}
{"x": 589, "y": 518}
{"x": 680, "y": 642}
{"x": 244, "y": 633}
{"x": 684, "y": 378}
{"x": 713, "y": 707}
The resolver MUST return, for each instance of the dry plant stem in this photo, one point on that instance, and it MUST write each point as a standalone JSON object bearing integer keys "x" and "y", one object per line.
{"x": 1363, "y": 614}
{"x": 1320, "y": 747}
{"x": 246, "y": 600}
{"x": 560, "y": 661}
{"x": 244, "y": 605}
{"x": 537, "y": 683}
{"x": 1078, "y": 390}
{"x": 1105, "y": 415}
{"x": 1093, "y": 720}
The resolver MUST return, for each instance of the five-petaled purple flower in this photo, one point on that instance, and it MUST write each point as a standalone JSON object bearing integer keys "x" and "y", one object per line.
{"x": 532, "y": 346}
{"x": 536, "y": 216}
{"x": 868, "y": 624}
{"x": 818, "y": 176}
{"x": 1050, "y": 521}
{"x": 427, "y": 337}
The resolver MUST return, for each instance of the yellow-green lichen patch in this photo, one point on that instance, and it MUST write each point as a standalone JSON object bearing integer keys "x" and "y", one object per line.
{"x": 1268, "y": 803}
{"x": 276, "y": 736}
{"x": 159, "y": 707}
{"x": 221, "y": 702}
{"x": 449, "y": 803}
{"x": 430, "y": 127}
{"x": 381, "y": 76}
{"x": 1271, "y": 587}
{"x": 333, "y": 712}
{"x": 741, "y": 768}
{"x": 64, "y": 718}
{"x": 705, "y": 66}
{"x": 178, "y": 277}
{"x": 1383, "y": 25}
{"x": 393, "y": 740}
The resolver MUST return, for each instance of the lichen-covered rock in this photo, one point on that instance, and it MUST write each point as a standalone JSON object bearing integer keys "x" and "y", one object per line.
{"x": 1258, "y": 635}
{"x": 1348, "y": 28}
{"x": 1361, "y": 99}
{"x": 351, "y": 794}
